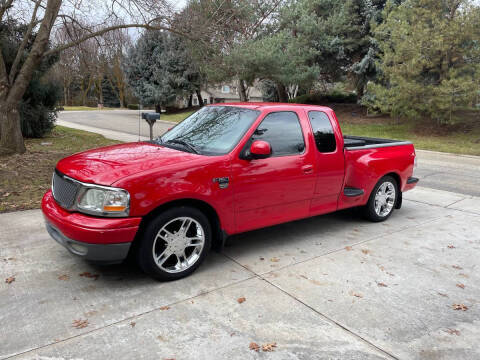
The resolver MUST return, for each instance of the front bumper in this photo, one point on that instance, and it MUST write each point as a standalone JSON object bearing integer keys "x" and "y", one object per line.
{"x": 97, "y": 253}
{"x": 105, "y": 240}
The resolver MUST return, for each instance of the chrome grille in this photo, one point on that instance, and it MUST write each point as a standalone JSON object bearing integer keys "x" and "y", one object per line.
{"x": 64, "y": 190}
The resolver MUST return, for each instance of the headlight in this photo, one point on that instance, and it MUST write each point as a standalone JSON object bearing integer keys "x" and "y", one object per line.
{"x": 103, "y": 201}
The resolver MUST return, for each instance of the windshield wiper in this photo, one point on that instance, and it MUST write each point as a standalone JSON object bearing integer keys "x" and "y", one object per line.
{"x": 184, "y": 143}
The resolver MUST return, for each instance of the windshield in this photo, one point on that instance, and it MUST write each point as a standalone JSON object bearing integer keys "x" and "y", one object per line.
{"x": 213, "y": 130}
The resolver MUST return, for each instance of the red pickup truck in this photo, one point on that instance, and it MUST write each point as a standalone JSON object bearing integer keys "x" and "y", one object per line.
{"x": 226, "y": 169}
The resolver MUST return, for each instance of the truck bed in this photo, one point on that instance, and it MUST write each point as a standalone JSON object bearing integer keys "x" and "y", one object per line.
{"x": 360, "y": 142}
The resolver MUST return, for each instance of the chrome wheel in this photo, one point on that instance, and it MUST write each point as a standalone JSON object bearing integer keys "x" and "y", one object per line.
{"x": 385, "y": 199}
{"x": 178, "y": 245}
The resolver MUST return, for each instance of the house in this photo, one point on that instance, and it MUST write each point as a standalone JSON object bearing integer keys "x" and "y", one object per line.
{"x": 222, "y": 93}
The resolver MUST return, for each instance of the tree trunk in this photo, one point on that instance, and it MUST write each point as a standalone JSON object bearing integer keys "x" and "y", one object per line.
{"x": 281, "y": 92}
{"x": 11, "y": 139}
{"x": 242, "y": 92}
{"x": 158, "y": 108}
{"x": 199, "y": 97}
{"x": 190, "y": 100}
{"x": 360, "y": 91}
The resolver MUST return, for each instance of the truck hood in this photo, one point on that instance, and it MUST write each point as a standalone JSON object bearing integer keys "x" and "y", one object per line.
{"x": 104, "y": 166}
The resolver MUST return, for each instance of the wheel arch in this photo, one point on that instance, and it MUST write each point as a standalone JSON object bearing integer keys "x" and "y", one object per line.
{"x": 398, "y": 179}
{"x": 218, "y": 235}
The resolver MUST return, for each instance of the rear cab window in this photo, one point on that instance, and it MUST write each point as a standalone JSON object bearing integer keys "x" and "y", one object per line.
{"x": 283, "y": 131}
{"x": 322, "y": 131}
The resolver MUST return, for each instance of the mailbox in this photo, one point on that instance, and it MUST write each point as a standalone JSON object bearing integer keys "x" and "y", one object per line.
{"x": 151, "y": 118}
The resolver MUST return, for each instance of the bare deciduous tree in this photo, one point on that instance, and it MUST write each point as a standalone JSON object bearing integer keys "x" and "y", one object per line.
{"x": 42, "y": 16}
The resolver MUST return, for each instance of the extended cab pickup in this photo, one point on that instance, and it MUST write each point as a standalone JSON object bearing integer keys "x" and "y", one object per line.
{"x": 226, "y": 169}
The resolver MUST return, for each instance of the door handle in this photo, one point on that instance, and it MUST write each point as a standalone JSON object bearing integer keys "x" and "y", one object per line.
{"x": 307, "y": 169}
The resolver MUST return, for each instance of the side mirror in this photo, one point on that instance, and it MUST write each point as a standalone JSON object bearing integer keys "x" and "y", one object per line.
{"x": 260, "y": 150}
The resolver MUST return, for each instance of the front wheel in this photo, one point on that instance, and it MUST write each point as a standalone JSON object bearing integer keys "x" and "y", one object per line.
{"x": 175, "y": 243}
{"x": 382, "y": 200}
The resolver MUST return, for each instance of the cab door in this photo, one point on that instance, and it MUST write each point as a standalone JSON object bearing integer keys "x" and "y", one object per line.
{"x": 329, "y": 163}
{"x": 279, "y": 188}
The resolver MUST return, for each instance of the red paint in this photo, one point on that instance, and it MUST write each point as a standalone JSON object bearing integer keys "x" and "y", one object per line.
{"x": 261, "y": 148}
{"x": 89, "y": 229}
{"x": 261, "y": 192}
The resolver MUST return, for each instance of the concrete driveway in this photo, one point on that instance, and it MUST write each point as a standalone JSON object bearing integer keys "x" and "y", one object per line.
{"x": 441, "y": 171}
{"x": 329, "y": 287}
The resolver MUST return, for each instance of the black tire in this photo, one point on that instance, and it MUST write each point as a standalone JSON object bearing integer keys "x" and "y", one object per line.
{"x": 145, "y": 257}
{"x": 369, "y": 209}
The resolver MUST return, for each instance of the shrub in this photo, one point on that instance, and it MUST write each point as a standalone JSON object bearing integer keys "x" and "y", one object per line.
{"x": 37, "y": 109}
{"x": 133, "y": 106}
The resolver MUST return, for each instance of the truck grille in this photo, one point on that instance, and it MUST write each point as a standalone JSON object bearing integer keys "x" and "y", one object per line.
{"x": 64, "y": 190}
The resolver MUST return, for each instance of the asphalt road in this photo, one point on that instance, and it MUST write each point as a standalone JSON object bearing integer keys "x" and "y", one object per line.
{"x": 460, "y": 174}
{"x": 126, "y": 121}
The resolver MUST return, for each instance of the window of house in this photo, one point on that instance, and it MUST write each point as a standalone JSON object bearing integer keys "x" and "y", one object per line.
{"x": 225, "y": 89}
{"x": 322, "y": 131}
{"x": 195, "y": 101}
{"x": 284, "y": 133}
{"x": 205, "y": 101}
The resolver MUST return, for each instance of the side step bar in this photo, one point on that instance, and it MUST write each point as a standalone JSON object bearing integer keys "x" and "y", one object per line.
{"x": 412, "y": 180}
{"x": 352, "y": 192}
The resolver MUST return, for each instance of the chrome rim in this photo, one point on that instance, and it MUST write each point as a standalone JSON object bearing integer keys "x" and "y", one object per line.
{"x": 178, "y": 244}
{"x": 385, "y": 199}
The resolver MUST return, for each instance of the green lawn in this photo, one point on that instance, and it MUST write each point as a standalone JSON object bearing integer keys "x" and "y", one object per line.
{"x": 25, "y": 178}
{"x": 459, "y": 142}
{"x": 177, "y": 117}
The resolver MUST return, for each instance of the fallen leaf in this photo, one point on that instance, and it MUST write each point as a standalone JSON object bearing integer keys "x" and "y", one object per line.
{"x": 453, "y": 332}
{"x": 274, "y": 259}
{"x": 89, "y": 275}
{"x": 10, "y": 279}
{"x": 348, "y": 248}
{"x": 365, "y": 251}
{"x": 6, "y": 195}
{"x": 241, "y": 300}
{"x": 80, "y": 324}
{"x": 461, "y": 286}
{"x": 254, "y": 346}
{"x": 442, "y": 294}
{"x": 269, "y": 346}
{"x": 462, "y": 307}
{"x": 132, "y": 324}
{"x": 165, "y": 308}
{"x": 463, "y": 275}
{"x": 457, "y": 267}
{"x": 381, "y": 284}
{"x": 63, "y": 277}
{"x": 262, "y": 258}
{"x": 451, "y": 247}
{"x": 358, "y": 295}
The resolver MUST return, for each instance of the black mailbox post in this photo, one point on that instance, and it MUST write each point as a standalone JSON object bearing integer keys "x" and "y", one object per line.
{"x": 151, "y": 118}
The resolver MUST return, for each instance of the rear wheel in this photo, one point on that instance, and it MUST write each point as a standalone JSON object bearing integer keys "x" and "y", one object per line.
{"x": 382, "y": 200}
{"x": 175, "y": 243}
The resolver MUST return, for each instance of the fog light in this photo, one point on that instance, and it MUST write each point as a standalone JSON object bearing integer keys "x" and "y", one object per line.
{"x": 78, "y": 249}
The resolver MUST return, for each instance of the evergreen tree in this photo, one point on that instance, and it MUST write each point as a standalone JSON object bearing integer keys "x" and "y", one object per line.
{"x": 430, "y": 59}
{"x": 158, "y": 69}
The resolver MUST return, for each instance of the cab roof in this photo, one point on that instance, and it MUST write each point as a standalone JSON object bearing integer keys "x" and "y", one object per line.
{"x": 272, "y": 106}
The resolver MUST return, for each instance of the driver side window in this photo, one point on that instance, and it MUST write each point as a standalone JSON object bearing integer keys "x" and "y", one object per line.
{"x": 284, "y": 133}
